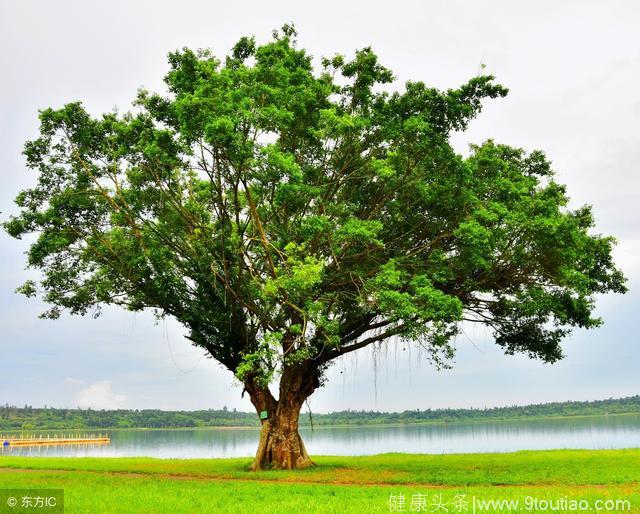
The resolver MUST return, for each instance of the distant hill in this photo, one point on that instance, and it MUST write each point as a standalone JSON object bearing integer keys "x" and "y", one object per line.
{"x": 29, "y": 418}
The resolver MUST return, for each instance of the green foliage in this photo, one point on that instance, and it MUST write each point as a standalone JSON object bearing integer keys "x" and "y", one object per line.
{"x": 265, "y": 198}
{"x": 262, "y": 363}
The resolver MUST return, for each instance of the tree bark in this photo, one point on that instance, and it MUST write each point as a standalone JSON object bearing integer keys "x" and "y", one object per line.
{"x": 280, "y": 445}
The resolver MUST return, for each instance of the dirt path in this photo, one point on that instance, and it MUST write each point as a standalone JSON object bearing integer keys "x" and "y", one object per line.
{"x": 292, "y": 480}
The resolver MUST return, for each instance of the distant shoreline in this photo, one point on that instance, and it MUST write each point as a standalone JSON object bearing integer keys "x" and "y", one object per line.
{"x": 342, "y": 425}
{"x": 14, "y": 419}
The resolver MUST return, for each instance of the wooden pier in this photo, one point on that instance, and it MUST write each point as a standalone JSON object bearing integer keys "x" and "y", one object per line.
{"x": 53, "y": 440}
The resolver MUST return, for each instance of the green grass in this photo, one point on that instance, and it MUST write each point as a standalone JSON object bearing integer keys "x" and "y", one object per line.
{"x": 337, "y": 484}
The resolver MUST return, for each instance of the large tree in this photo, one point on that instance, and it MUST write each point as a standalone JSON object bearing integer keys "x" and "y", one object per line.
{"x": 288, "y": 215}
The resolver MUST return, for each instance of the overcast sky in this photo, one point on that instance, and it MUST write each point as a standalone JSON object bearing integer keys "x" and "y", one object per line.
{"x": 573, "y": 69}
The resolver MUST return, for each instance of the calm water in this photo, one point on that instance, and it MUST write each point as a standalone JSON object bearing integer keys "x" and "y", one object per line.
{"x": 593, "y": 433}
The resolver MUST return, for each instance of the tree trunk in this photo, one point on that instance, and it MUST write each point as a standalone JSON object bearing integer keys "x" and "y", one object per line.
{"x": 280, "y": 445}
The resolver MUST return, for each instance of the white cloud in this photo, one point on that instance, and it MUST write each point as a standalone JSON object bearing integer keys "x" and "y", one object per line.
{"x": 100, "y": 396}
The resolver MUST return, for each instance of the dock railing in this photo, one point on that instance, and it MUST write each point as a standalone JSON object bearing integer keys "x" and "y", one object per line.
{"x": 56, "y": 439}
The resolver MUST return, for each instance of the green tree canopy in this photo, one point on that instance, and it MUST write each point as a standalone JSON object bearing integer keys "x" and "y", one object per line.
{"x": 288, "y": 214}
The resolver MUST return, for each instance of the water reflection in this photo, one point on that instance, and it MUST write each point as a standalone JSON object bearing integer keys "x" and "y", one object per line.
{"x": 593, "y": 433}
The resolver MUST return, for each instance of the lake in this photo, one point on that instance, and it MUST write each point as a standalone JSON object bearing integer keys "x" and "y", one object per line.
{"x": 588, "y": 433}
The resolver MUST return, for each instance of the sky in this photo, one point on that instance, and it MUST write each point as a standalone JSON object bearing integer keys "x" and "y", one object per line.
{"x": 573, "y": 70}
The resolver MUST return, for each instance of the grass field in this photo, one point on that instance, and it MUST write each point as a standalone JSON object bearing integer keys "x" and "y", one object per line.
{"x": 602, "y": 480}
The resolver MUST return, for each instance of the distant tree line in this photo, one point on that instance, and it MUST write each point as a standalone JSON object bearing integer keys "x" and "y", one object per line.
{"x": 30, "y": 418}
